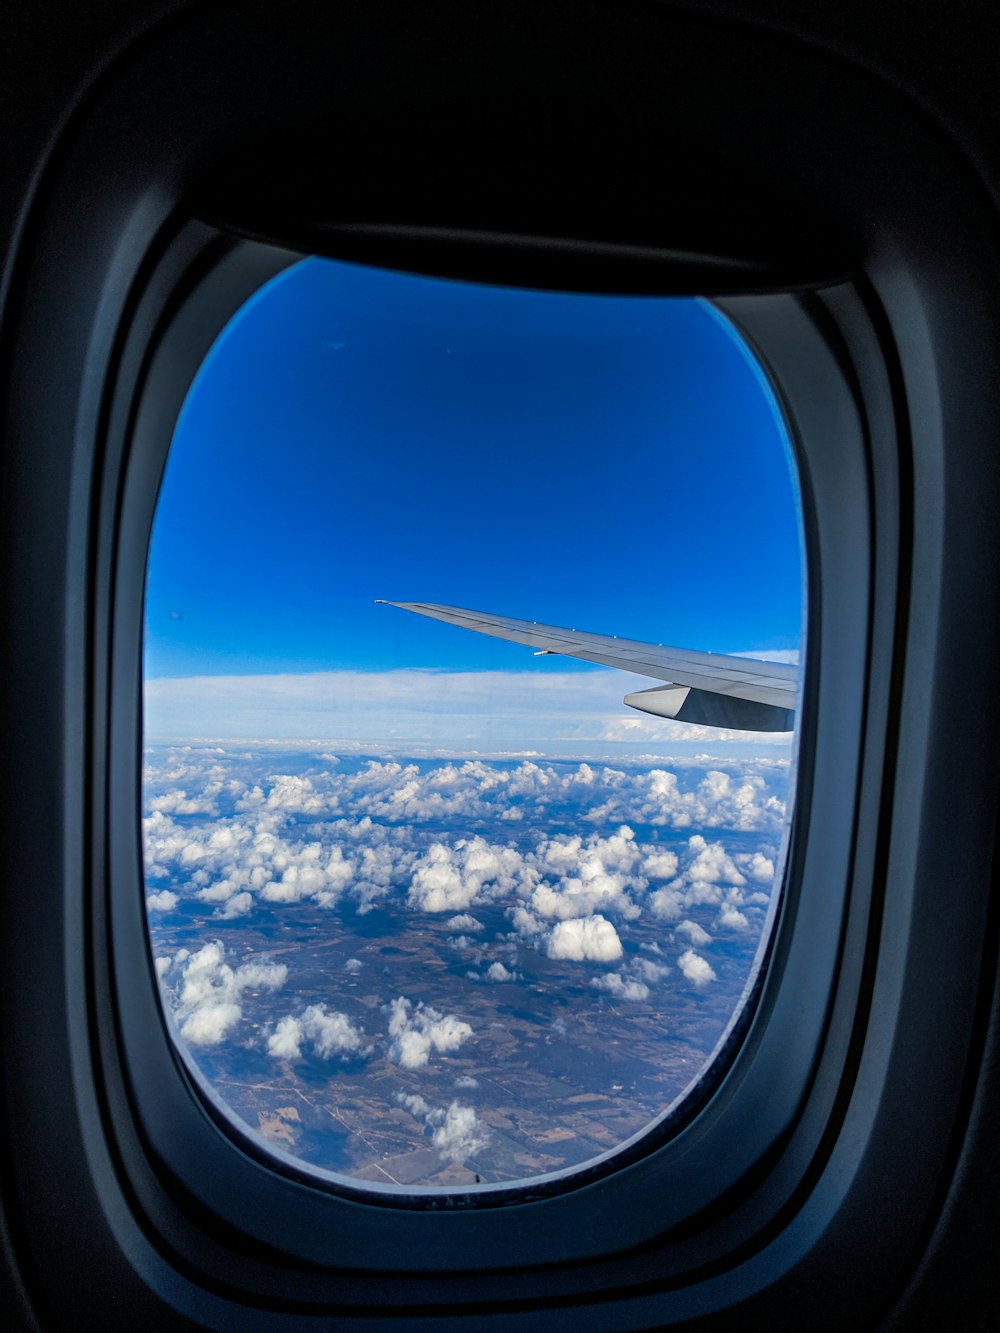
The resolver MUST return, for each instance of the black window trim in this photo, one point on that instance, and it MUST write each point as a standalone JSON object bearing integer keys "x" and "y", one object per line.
{"x": 772, "y": 1068}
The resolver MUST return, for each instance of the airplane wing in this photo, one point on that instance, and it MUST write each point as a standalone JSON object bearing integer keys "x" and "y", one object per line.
{"x": 712, "y": 689}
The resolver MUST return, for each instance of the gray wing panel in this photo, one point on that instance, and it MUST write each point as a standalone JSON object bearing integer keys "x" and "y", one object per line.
{"x": 773, "y": 683}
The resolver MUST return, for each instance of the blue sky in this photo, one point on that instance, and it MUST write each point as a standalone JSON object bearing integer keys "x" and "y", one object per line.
{"x": 616, "y": 464}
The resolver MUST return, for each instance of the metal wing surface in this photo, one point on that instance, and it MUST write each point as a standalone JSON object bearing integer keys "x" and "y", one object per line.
{"x": 708, "y": 680}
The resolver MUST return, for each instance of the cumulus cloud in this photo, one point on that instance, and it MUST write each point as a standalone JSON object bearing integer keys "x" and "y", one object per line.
{"x": 464, "y": 922}
{"x": 620, "y": 987}
{"x": 416, "y": 1032}
{"x": 388, "y": 793}
{"x": 437, "y": 884}
{"x": 315, "y": 872}
{"x": 177, "y": 802}
{"x": 761, "y": 867}
{"x": 668, "y": 904}
{"x": 373, "y": 830}
{"x": 285, "y": 1041}
{"x": 295, "y": 795}
{"x": 328, "y": 1035}
{"x": 526, "y": 924}
{"x": 458, "y": 1133}
{"x": 693, "y": 932}
{"x": 414, "y": 1103}
{"x": 260, "y": 976}
{"x": 660, "y": 865}
{"x": 712, "y": 864}
{"x": 238, "y": 905}
{"x": 738, "y": 797}
{"x": 696, "y": 969}
{"x": 633, "y": 981}
{"x": 497, "y": 972}
{"x": 210, "y": 1023}
{"x": 353, "y": 966}
{"x": 331, "y": 1034}
{"x": 164, "y": 901}
{"x": 450, "y": 878}
{"x": 207, "y": 996}
{"x": 731, "y": 918}
{"x": 652, "y": 731}
{"x": 646, "y": 970}
{"x": 585, "y": 939}
{"x": 593, "y": 876}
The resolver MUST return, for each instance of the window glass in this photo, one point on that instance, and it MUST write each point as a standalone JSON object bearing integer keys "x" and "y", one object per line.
{"x": 429, "y": 910}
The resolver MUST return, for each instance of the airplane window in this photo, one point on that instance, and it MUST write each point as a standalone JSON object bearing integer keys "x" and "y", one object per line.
{"x": 431, "y": 906}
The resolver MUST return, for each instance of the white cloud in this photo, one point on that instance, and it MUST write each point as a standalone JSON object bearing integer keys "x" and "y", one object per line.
{"x": 590, "y": 939}
{"x": 164, "y": 901}
{"x": 437, "y": 884}
{"x": 296, "y": 795}
{"x": 497, "y": 972}
{"x": 379, "y": 829}
{"x": 331, "y": 1034}
{"x": 697, "y": 969}
{"x": 307, "y": 871}
{"x": 450, "y": 878}
{"x": 712, "y": 864}
{"x": 694, "y": 933}
{"x": 353, "y": 966}
{"x": 668, "y": 904}
{"x": 238, "y": 905}
{"x": 464, "y": 922}
{"x": 731, "y": 918}
{"x": 414, "y": 1033}
{"x": 177, "y": 802}
{"x": 328, "y": 1034}
{"x": 593, "y": 876}
{"x": 458, "y": 1132}
{"x": 414, "y": 1103}
{"x": 525, "y": 923}
{"x": 208, "y": 1005}
{"x": 761, "y": 867}
{"x": 211, "y": 1022}
{"x": 646, "y": 970}
{"x": 620, "y": 987}
{"x": 260, "y": 976}
{"x": 285, "y": 1041}
{"x": 660, "y": 865}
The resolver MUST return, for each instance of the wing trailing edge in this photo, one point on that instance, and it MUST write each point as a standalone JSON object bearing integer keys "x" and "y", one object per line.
{"x": 711, "y": 689}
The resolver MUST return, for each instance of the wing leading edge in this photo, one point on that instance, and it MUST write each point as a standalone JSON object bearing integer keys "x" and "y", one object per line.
{"x": 712, "y": 689}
